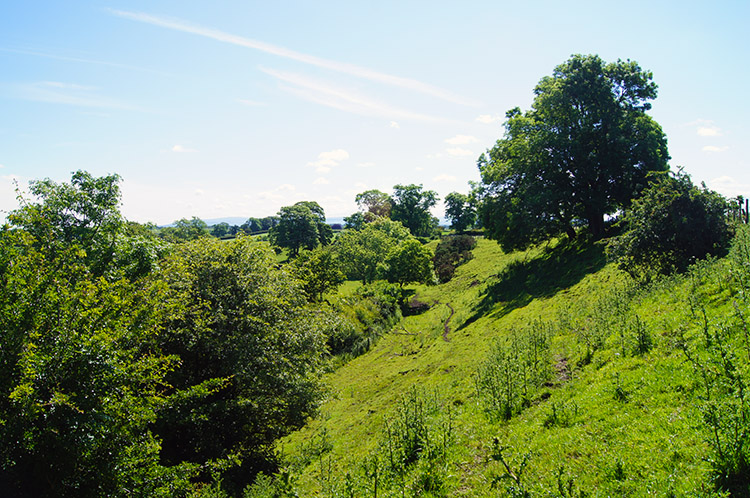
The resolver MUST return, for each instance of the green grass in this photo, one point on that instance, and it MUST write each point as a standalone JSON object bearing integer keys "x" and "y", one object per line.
{"x": 619, "y": 416}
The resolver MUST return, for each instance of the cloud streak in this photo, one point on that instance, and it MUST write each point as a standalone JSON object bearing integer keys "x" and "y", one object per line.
{"x": 323, "y": 93}
{"x": 55, "y": 92}
{"x": 341, "y": 67}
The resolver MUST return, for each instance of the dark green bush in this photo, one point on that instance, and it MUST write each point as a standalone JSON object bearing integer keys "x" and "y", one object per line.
{"x": 671, "y": 226}
{"x": 450, "y": 253}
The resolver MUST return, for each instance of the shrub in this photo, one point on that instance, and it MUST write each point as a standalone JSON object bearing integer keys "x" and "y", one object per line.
{"x": 672, "y": 225}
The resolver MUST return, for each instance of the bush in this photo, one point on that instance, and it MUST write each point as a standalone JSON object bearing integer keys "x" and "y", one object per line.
{"x": 450, "y": 253}
{"x": 671, "y": 226}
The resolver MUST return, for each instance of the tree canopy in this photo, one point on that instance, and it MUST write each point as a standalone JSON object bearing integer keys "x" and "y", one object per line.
{"x": 301, "y": 226}
{"x": 460, "y": 209}
{"x": 583, "y": 151}
{"x": 84, "y": 212}
{"x": 361, "y": 253}
{"x": 411, "y": 206}
{"x": 374, "y": 203}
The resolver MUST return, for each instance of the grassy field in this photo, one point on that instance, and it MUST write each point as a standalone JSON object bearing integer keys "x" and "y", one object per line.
{"x": 540, "y": 373}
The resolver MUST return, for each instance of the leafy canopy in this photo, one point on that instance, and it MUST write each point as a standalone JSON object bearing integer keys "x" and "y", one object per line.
{"x": 460, "y": 209}
{"x": 411, "y": 206}
{"x": 301, "y": 226}
{"x": 583, "y": 151}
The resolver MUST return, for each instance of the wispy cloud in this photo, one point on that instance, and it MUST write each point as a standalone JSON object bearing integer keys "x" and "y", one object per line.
{"x": 705, "y": 128}
{"x": 395, "y": 125}
{"x": 324, "y": 93}
{"x": 713, "y": 148}
{"x": 55, "y": 92}
{"x": 321, "y": 181}
{"x": 82, "y": 60}
{"x": 341, "y": 67}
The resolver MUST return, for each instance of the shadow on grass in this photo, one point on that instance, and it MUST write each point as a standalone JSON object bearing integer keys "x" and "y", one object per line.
{"x": 555, "y": 269}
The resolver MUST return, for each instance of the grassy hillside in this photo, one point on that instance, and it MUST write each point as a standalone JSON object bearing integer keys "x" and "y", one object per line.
{"x": 542, "y": 373}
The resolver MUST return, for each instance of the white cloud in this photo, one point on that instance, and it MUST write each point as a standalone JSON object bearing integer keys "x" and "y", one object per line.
{"x": 368, "y": 164}
{"x": 488, "y": 118}
{"x": 709, "y": 131}
{"x": 181, "y": 148}
{"x": 328, "y": 160}
{"x": 705, "y": 128}
{"x": 444, "y": 178}
{"x": 321, "y": 181}
{"x": 395, "y": 125}
{"x": 199, "y": 191}
{"x": 459, "y": 152}
{"x": 713, "y": 148}
{"x": 334, "y": 155}
{"x": 350, "y": 69}
{"x": 461, "y": 140}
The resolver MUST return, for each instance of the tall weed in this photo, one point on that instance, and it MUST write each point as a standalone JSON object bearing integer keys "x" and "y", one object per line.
{"x": 515, "y": 369}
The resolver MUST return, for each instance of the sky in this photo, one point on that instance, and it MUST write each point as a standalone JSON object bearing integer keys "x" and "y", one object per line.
{"x": 236, "y": 108}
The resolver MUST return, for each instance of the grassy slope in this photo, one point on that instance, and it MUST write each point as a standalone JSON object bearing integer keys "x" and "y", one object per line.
{"x": 647, "y": 441}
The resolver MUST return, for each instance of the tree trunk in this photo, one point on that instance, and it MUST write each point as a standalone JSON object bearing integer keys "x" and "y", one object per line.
{"x": 596, "y": 225}
{"x": 570, "y": 232}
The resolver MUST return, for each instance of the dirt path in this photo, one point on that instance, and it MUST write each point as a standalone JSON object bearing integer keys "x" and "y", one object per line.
{"x": 447, "y": 329}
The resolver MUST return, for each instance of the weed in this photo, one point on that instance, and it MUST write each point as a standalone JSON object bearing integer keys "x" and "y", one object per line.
{"x": 643, "y": 340}
{"x": 514, "y": 371}
{"x": 512, "y": 473}
{"x": 561, "y": 415}
{"x": 619, "y": 393}
{"x": 721, "y": 362}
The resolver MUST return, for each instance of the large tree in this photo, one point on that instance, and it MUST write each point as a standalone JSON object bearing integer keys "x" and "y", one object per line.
{"x": 582, "y": 152}
{"x": 374, "y": 203}
{"x": 301, "y": 226}
{"x": 411, "y": 206}
{"x": 460, "y": 209}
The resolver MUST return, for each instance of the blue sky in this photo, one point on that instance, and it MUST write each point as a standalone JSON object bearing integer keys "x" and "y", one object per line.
{"x": 236, "y": 108}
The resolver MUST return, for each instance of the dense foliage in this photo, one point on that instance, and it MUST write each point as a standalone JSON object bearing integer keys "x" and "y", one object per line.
{"x": 583, "y": 151}
{"x": 411, "y": 206}
{"x": 671, "y": 226}
{"x": 249, "y": 343}
{"x": 130, "y": 366}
